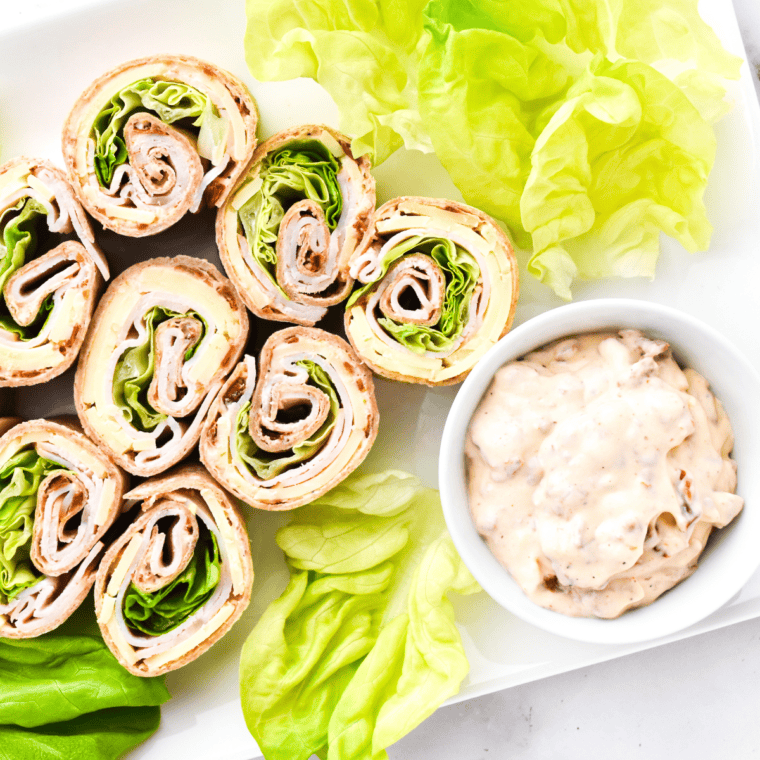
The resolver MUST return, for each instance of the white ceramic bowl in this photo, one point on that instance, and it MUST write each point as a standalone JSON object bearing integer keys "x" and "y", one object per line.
{"x": 732, "y": 554}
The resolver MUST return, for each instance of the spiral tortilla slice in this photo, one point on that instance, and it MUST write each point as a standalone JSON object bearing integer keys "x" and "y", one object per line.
{"x": 164, "y": 337}
{"x": 306, "y": 423}
{"x": 288, "y": 230}
{"x": 48, "y": 286}
{"x": 438, "y": 284}
{"x": 149, "y": 573}
{"x": 154, "y": 138}
{"x": 59, "y": 494}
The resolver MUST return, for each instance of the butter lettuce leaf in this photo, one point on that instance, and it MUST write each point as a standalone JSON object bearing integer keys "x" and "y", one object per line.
{"x": 134, "y": 371}
{"x": 161, "y": 611}
{"x": 482, "y": 90}
{"x": 268, "y": 465}
{"x": 602, "y": 184}
{"x": 363, "y": 52}
{"x": 482, "y": 81}
{"x": 20, "y": 480}
{"x": 648, "y": 31}
{"x": 362, "y": 646}
{"x": 65, "y": 695}
{"x": 302, "y": 169}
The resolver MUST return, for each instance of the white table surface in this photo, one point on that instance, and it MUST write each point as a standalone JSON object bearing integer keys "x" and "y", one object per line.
{"x": 699, "y": 696}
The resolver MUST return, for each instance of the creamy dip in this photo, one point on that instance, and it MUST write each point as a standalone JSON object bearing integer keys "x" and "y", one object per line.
{"x": 596, "y": 471}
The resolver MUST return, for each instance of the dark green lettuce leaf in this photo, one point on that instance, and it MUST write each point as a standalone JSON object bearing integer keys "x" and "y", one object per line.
{"x": 64, "y": 695}
{"x": 102, "y": 735}
{"x": 20, "y": 479}
{"x": 268, "y": 465}
{"x": 163, "y": 610}
{"x": 302, "y": 169}
{"x": 171, "y": 102}
{"x": 134, "y": 372}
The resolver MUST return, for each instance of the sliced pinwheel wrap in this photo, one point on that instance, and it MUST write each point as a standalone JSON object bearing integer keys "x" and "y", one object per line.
{"x": 155, "y": 138}
{"x": 280, "y": 439}
{"x": 59, "y": 495}
{"x": 288, "y": 230}
{"x": 50, "y": 272}
{"x": 437, "y": 284}
{"x": 178, "y": 578}
{"x": 164, "y": 337}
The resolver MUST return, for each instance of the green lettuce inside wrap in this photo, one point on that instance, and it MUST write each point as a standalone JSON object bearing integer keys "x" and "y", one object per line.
{"x": 19, "y": 244}
{"x": 268, "y": 465}
{"x": 461, "y": 273}
{"x": 301, "y": 169}
{"x": 171, "y": 102}
{"x": 362, "y": 645}
{"x": 161, "y": 611}
{"x": 134, "y": 371}
{"x": 20, "y": 479}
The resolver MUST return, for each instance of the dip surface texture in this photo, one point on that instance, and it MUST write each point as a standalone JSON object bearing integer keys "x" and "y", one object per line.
{"x": 597, "y": 469}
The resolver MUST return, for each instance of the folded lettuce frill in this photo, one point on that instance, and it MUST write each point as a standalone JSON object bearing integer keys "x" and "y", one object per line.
{"x": 281, "y": 437}
{"x": 59, "y": 495}
{"x": 437, "y": 287}
{"x": 155, "y": 138}
{"x": 48, "y": 284}
{"x": 287, "y": 231}
{"x": 178, "y": 578}
{"x": 164, "y": 337}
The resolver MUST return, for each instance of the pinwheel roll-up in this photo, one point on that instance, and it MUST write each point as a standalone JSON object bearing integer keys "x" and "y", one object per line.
{"x": 438, "y": 285}
{"x": 164, "y": 337}
{"x": 179, "y": 577}
{"x": 282, "y": 439}
{"x": 156, "y": 137}
{"x": 48, "y": 282}
{"x": 289, "y": 228}
{"x": 59, "y": 494}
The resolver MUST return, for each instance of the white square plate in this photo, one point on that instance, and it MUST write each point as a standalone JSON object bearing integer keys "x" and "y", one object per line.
{"x": 43, "y": 68}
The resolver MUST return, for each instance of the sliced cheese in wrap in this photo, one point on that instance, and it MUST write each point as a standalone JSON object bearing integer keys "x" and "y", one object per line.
{"x": 288, "y": 229}
{"x": 279, "y": 438}
{"x": 50, "y": 272}
{"x": 437, "y": 284}
{"x": 155, "y": 138}
{"x": 164, "y": 337}
{"x": 59, "y": 495}
{"x": 178, "y": 578}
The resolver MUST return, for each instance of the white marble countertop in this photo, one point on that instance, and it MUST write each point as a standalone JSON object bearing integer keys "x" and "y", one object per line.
{"x": 700, "y": 695}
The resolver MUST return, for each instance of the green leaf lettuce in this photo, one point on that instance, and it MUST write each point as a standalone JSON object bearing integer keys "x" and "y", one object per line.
{"x": 64, "y": 695}
{"x": 269, "y": 465}
{"x": 362, "y": 646}
{"x": 20, "y": 480}
{"x": 161, "y": 611}
{"x": 171, "y": 102}
{"x": 19, "y": 245}
{"x": 461, "y": 273}
{"x": 134, "y": 371}
{"x": 302, "y": 169}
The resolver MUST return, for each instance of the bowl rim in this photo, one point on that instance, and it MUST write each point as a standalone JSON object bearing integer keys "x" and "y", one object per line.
{"x": 640, "y": 624}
